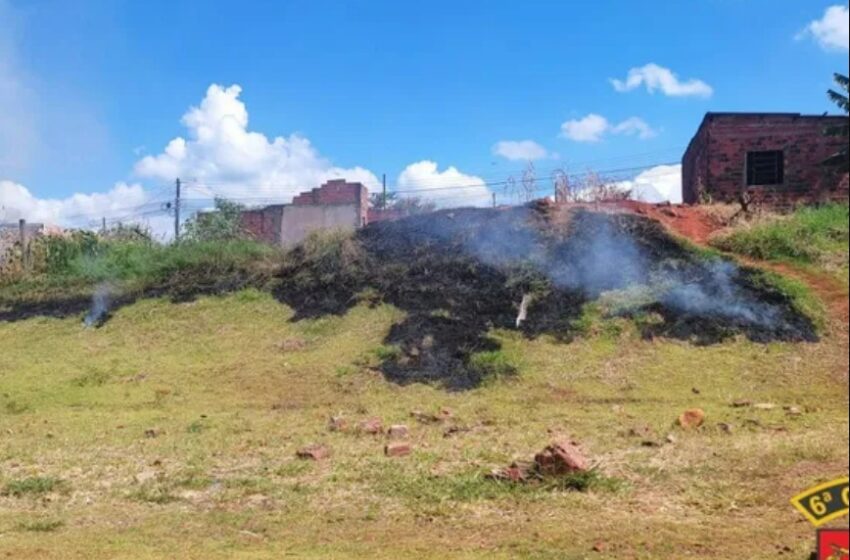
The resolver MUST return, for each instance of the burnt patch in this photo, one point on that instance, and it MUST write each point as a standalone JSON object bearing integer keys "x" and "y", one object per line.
{"x": 460, "y": 274}
{"x": 180, "y": 286}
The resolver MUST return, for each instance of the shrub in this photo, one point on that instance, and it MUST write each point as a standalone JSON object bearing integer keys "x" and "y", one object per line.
{"x": 492, "y": 365}
{"x": 41, "y": 525}
{"x": 222, "y": 224}
{"x": 811, "y": 235}
{"x": 35, "y": 485}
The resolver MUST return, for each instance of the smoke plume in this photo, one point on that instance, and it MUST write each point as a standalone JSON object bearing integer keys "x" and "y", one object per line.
{"x": 99, "y": 312}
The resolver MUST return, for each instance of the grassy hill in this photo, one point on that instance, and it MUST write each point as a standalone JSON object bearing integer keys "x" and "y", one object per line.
{"x": 172, "y": 431}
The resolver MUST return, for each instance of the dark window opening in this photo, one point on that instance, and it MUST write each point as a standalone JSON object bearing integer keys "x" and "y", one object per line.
{"x": 765, "y": 168}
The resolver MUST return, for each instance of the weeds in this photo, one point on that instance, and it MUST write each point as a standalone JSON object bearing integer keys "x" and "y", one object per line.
{"x": 196, "y": 427}
{"x": 16, "y": 407}
{"x": 32, "y": 486}
{"x": 68, "y": 269}
{"x": 587, "y": 481}
{"x": 92, "y": 379}
{"x": 154, "y": 493}
{"x": 809, "y": 236}
{"x": 492, "y": 365}
{"x": 425, "y": 489}
{"x": 41, "y": 525}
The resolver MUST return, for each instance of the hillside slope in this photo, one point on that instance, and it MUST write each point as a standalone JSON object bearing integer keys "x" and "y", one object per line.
{"x": 172, "y": 429}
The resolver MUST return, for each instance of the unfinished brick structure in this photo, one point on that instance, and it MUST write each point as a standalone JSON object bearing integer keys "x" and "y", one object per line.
{"x": 774, "y": 157}
{"x": 337, "y": 204}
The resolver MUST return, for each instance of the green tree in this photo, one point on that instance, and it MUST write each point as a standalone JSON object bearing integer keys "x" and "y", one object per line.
{"x": 840, "y": 159}
{"x": 222, "y": 224}
{"x": 408, "y": 205}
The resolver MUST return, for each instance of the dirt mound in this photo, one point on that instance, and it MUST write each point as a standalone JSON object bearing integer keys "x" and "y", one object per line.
{"x": 461, "y": 273}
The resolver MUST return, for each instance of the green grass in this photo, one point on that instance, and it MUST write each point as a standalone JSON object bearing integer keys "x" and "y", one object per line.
{"x": 230, "y": 408}
{"x": 800, "y": 295}
{"x": 175, "y": 427}
{"x": 811, "y": 235}
{"x": 41, "y": 525}
{"x": 492, "y": 366}
{"x": 31, "y": 486}
{"x": 68, "y": 267}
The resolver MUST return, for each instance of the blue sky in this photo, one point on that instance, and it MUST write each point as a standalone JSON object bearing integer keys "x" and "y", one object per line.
{"x": 92, "y": 87}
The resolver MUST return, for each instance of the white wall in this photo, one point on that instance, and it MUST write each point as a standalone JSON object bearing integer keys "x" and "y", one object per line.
{"x": 300, "y": 220}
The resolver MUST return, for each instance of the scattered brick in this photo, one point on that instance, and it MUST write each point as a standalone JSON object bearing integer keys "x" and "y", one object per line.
{"x": 398, "y": 431}
{"x": 561, "y": 457}
{"x": 314, "y": 452}
{"x": 398, "y": 449}
{"x": 692, "y": 419}
{"x": 372, "y": 426}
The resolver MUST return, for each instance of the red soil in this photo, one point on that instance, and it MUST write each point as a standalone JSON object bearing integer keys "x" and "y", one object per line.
{"x": 688, "y": 221}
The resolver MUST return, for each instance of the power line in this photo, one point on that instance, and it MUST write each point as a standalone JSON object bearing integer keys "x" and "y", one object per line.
{"x": 236, "y": 189}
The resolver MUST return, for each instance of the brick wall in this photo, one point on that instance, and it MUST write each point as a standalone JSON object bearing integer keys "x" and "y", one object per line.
{"x": 715, "y": 161}
{"x": 263, "y": 224}
{"x": 338, "y": 191}
{"x": 337, "y": 203}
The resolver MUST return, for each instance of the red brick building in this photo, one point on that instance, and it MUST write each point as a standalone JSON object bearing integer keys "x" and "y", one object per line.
{"x": 337, "y": 204}
{"x": 775, "y": 157}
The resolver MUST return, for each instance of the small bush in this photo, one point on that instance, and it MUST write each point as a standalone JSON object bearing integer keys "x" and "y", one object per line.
{"x": 91, "y": 379}
{"x": 388, "y": 353}
{"x": 492, "y": 365}
{"x": 32, "y": 486}
{"x": 196, "y": 427}
{"x": 41, "y": 525}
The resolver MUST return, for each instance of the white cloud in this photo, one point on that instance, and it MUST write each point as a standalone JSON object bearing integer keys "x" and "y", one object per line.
{"x": 593, "y": 128}
{"x": 588, "y": 129}
{"x": 832, "y": 30}
{"x": 16, "y": 202}
{"x": 662, "y": 183}
{"x": 440, "y": 186}
{"x": 521, "y": 150}
{"x": 655, "y": 77}
{"x": 221, "y": 153}
{"x": 635, "y": 126}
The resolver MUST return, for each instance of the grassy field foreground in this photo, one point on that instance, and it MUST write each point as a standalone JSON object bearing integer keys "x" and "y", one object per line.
{"x": 171, "y": 432}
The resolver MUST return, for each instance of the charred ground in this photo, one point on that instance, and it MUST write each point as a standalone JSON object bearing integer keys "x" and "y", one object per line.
{"x": 460, "y": 274}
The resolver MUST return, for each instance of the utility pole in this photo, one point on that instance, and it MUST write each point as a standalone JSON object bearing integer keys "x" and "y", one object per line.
{"x": 384, "y": 196}
{"x": 494, "y": 200}
{"x": 177, "y": 210}
{"x": 22, "y": 230}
